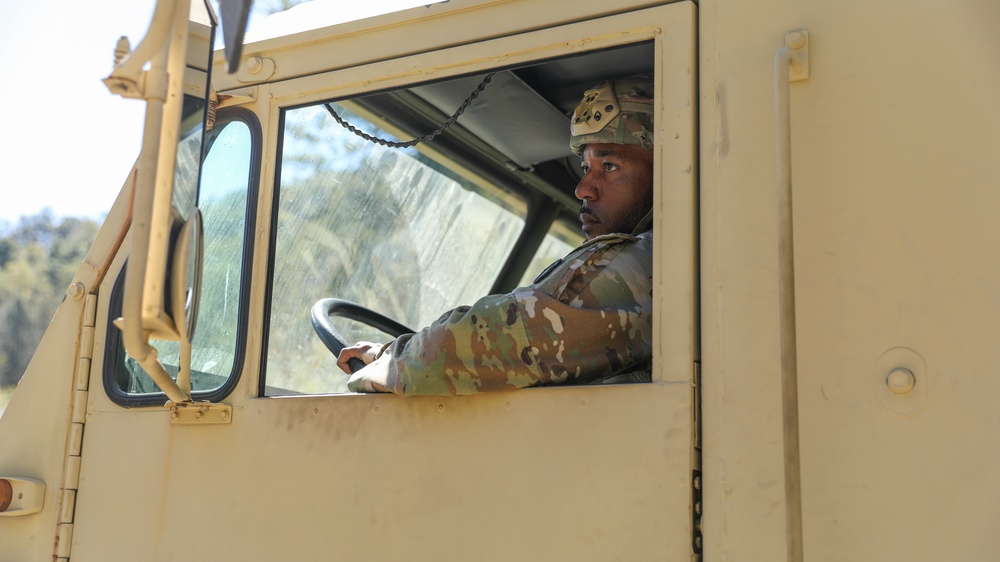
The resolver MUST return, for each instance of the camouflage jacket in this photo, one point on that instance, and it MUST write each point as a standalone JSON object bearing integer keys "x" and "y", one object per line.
{"x": 585, "y": 319}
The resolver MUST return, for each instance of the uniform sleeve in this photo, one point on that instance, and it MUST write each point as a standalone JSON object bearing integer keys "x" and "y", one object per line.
{"x": 588, "y": 319}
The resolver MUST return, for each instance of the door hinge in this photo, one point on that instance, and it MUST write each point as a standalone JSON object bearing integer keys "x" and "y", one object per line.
{"x": 697, "y": 540}
{"x": 696, "y": 507}
{"x": 696, "y": 408}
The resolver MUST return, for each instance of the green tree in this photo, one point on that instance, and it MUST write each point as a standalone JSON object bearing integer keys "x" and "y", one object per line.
{"x": 38, "y": 258}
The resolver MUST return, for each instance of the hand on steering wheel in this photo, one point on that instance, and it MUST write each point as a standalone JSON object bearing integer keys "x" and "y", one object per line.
{"x": 324, "y": 308}
{"x": 363, "y": 351}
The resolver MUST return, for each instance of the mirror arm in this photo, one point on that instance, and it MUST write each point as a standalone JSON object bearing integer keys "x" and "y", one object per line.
{"x": 151, "y": 364}
{"x": 184, "y": 372}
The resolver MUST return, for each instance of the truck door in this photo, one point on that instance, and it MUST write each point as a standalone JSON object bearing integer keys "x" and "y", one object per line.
{"x": 298, "y": 208}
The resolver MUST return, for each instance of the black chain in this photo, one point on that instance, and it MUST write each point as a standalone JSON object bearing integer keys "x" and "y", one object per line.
{"x": 394, "y": 144}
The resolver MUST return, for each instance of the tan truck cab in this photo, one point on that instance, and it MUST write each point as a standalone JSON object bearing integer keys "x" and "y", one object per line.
{"x": 826, "y": 297}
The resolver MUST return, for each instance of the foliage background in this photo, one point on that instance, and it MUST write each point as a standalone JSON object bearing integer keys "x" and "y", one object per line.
{"x": 38, "y": 257}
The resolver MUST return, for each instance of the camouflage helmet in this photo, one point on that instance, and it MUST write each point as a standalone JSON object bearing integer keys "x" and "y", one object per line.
{"x": 618, "y": 112}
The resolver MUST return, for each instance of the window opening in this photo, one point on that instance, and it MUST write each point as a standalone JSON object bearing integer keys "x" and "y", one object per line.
{"x": 413, "y": 232}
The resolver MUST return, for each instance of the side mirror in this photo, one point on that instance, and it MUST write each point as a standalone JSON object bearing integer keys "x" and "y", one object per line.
{"x": 185, "y": 277}
{"x": 170, "y": 69}
{"x": 185, "y": 289}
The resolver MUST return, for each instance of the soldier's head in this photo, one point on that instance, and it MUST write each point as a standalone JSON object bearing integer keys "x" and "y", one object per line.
{"x": 612, "y": 132}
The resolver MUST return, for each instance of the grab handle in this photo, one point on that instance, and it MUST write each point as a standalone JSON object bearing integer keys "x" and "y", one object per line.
{"x": 791, "y": 63}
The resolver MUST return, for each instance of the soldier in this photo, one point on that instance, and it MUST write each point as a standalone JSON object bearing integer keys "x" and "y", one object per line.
{"x": 585, "y": 319}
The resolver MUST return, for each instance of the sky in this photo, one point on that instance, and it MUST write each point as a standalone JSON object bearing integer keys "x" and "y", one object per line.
{"x": 69, "y": 143}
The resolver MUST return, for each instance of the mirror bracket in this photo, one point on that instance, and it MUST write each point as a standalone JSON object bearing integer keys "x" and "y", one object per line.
{"x": 199, "y": 413}
{"x": 128, "y": 79}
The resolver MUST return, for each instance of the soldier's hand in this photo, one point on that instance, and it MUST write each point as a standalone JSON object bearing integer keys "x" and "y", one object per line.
{"x": 363, "y": 350}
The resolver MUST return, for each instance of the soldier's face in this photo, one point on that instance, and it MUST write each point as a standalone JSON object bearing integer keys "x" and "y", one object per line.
{"x": 616, "y": 189}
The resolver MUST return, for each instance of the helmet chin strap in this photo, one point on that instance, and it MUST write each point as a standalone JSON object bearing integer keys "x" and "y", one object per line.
{"x": 644, "y": 224}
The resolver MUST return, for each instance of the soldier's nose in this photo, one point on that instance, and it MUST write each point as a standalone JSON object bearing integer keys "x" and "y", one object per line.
{"x": 585, "y": 191}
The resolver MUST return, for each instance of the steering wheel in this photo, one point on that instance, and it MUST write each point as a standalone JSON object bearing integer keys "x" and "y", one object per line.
{"x": 325, "y": 308}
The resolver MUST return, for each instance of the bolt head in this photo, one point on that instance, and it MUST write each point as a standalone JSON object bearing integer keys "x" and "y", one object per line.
{"x": 795, "y": 40}
{"x": 900, "y": 381}
{"x": 254, "y": 65}
{"x": 76, "y": 291}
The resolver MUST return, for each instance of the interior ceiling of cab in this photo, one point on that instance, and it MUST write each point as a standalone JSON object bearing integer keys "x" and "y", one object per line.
{"x": 522, "y": 116}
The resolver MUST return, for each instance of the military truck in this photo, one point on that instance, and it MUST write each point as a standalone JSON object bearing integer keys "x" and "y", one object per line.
{"x": 825, "y": 301}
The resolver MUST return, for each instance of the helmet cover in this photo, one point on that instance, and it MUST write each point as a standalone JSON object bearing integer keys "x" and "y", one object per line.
{"x": 618, "y": 112}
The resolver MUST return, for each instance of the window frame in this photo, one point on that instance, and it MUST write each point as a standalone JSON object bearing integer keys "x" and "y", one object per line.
{"x": 114, "y": 350}
{"x": 676, "y": 342}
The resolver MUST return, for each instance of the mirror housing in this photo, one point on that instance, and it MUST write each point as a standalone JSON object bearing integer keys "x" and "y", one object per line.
{"x": 185, "y": 289}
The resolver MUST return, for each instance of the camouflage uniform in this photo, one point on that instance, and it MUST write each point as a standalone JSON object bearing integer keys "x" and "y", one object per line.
{"x": 588, "y": 318}
{"x": 585, "y": 320}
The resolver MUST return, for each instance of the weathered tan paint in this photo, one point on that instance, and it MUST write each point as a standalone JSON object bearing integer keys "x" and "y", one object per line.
{"x": 893, "y": 137}
{"x": 37, "y": 425}
{"x": 894, "y": 175}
